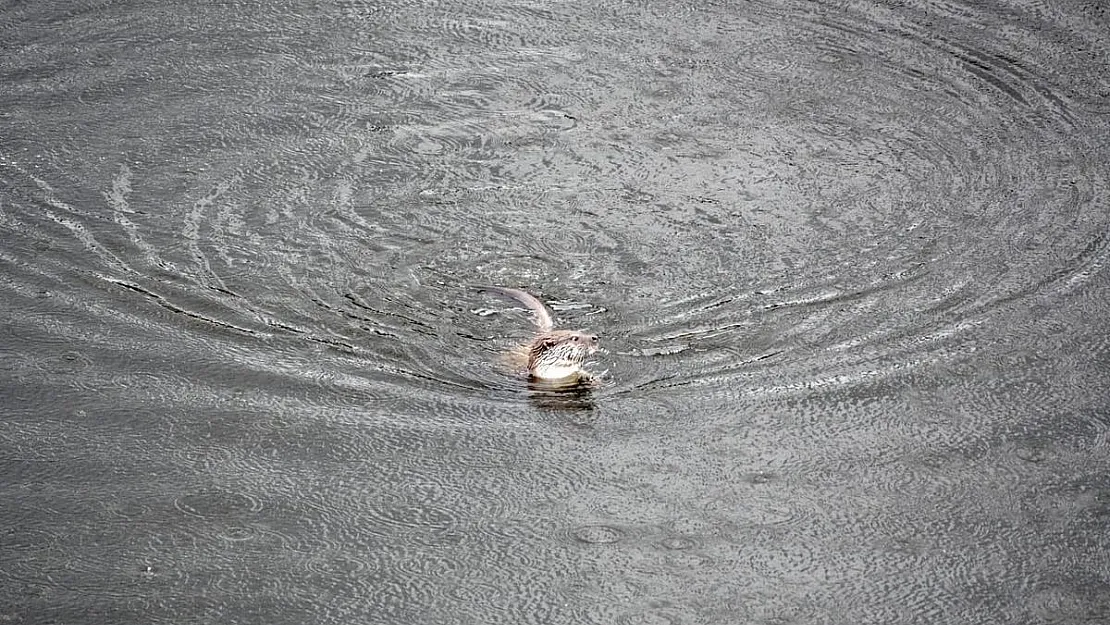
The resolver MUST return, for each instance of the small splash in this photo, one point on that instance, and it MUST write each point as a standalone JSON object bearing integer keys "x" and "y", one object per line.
{"x": 597, "y": 534}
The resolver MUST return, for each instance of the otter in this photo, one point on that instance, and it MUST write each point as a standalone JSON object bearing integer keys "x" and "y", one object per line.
{"x": 552, "y": 354}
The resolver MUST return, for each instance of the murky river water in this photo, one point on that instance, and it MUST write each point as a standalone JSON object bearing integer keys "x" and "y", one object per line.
{"x": 849, "y": 261}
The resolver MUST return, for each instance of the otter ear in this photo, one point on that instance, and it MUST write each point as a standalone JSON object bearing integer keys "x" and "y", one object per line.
{"x": 542, "y": 344}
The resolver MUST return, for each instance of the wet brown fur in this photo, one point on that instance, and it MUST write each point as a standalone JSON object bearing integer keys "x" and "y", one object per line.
{"x": 549, "y": 349}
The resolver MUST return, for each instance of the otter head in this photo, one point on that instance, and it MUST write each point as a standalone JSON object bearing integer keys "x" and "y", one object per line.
{"x": 560, "y": 353}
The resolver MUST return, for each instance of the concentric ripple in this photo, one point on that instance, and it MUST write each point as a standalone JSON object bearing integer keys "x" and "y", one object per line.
{"x": 848, "y": 261}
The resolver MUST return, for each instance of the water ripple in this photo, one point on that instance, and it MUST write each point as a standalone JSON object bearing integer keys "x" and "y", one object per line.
{"x": 848, "y": 262}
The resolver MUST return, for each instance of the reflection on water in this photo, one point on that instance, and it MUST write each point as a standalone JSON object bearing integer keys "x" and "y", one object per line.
{"x": 848, "y": 260}
{"x": 571, "y": 398}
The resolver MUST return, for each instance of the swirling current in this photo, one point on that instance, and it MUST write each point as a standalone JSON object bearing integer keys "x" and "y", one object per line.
{"x": 848, "y": 260}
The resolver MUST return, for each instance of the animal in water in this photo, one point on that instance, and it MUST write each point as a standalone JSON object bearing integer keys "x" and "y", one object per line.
{"x": 552, "y": 355}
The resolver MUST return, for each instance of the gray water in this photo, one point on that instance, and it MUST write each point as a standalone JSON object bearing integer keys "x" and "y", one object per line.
{"x": 849, "y": 261}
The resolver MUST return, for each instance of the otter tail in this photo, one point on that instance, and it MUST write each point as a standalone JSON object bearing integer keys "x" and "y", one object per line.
{"x": 539, "y": 311}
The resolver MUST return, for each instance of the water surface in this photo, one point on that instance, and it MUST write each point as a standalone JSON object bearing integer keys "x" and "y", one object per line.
{"x": 849, "y": 261}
